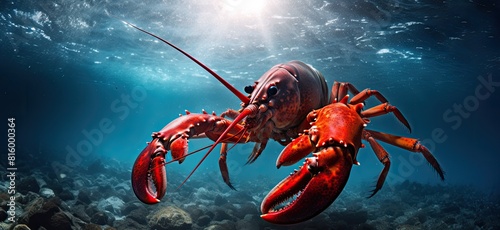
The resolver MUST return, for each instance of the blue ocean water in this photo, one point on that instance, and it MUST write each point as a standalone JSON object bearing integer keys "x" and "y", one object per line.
{"x": 82, "y": 85}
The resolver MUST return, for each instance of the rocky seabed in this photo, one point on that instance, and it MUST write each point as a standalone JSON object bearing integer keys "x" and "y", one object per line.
{"x": 100, "y": 197}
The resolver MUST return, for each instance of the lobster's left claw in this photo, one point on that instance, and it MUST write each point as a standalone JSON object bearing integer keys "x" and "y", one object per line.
{"x": 316, "y": 185}
{"x": 149, "y": 169}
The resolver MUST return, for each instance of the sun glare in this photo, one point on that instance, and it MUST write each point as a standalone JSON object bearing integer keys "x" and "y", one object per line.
{"x": 248, "y": 7}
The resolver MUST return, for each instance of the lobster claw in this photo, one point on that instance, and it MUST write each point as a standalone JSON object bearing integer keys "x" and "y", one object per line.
{"x": 149, "y": 169}
{"x": 314, "y": 186}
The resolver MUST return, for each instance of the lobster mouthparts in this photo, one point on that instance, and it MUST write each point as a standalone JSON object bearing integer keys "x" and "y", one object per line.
{"x": 315, "y": 186}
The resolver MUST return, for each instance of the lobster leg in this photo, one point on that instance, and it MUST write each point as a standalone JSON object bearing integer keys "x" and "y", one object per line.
{"x": 223, "y": 166}
{"x": 365, "y": 94}
{"x": 340, "y": 89}
{"x": 386, "y": 108}
{"x": 409, "y": 144}
{"x": 261, "y": 145}
{"x": 383, "y": 157}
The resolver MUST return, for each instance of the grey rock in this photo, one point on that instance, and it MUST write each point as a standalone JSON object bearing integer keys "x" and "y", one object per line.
{"x": 112, "y": 204}
{"x": 46, "y": 192}
{"x": 170, "y": 217}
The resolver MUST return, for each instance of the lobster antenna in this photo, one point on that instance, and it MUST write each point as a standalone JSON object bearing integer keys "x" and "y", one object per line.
{"x": 240, "y": 95}
{"x": 189, "y": 154}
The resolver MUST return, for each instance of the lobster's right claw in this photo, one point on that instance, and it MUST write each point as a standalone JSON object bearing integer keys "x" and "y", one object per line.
{"x": 315, "y": 186}
{"x": 149, "y": 169}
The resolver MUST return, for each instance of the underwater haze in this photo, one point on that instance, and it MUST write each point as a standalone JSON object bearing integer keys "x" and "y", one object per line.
{"x": 86, "y": 91}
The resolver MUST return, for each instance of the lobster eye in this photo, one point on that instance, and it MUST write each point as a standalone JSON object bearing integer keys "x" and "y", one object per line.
{"x": 248, "y": 89}
{"x": 273, "y": 90}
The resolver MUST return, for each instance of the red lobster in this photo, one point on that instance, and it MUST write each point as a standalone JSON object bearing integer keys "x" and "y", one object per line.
{"x": 334, "y": 138}
{"x": 277, "y": 107}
